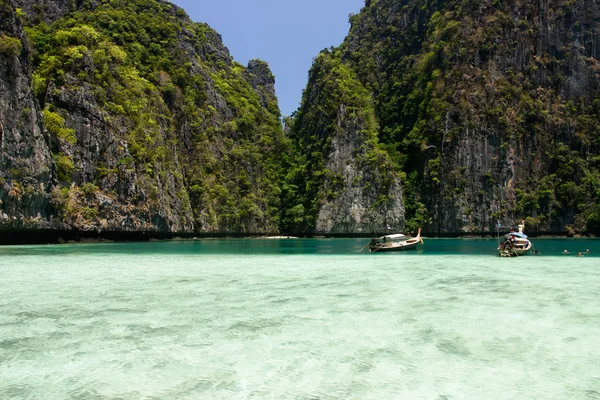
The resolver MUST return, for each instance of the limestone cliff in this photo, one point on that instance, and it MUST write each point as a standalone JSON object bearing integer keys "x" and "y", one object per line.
{"x": 489, "y": 110}
{"x": 341, "y": 181}
{"x": 126, "y": 116}
{"x": 25, "y": 159}
{"x": 148, "y": 123}
{"x": 48, "y": 11}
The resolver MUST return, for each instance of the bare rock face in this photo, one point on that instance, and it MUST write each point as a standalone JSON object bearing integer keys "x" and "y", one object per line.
{"x": 501, "y": 160}
{"x": 25, "y": 159}
{"x": 119, "y": 195}
{"x": 354, "y": 209}
{"x": 488, "y": 109}
{"x": 46, "y": 10}
{"x": 145, "y": 129}
{"x": 262, "y": 80}
{"x": 31, "y": 196}
{"x": 348, "y": 184}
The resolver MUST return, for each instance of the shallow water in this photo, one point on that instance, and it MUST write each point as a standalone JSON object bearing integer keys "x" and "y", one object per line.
{"x": 299, "y": 319}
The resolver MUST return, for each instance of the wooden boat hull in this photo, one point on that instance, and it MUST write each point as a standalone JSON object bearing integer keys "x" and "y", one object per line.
{"x": 410, "y": 244}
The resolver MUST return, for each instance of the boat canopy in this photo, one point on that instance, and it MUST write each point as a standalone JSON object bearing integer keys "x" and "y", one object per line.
{"x": 517, "y": 234}
{"x": 394, "y": 236}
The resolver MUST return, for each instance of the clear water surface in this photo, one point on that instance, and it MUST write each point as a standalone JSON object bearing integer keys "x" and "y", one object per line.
{"x": 299, "y": 319}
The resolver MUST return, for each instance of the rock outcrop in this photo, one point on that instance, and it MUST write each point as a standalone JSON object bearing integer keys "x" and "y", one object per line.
{"x": 489, "y": 110}
{"x": 341, "y": 181}
{"x": 25, "y": 159}
{"x": 125, "y": 116}
{"x": 47, "y": 11}
{"x": 368, "y": 194}
{"x": 148, "y": 123}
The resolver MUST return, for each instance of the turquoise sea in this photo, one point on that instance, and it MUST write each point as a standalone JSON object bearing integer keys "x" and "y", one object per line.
{"x": 299, "y": 319}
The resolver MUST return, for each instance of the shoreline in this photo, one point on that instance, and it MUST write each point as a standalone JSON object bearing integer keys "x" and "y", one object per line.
{"x": 38, "y": 237}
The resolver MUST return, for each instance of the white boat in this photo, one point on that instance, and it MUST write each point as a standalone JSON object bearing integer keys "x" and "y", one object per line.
{"x": 514, "y": 244}
{"x": 395, "y": 242}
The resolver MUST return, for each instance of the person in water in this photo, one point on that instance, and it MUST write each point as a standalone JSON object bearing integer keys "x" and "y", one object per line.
{"x": 565, "y": 252}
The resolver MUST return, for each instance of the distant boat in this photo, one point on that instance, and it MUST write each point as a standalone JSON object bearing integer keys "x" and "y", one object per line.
{"x": 514, "y": 244}
{"x": 395, "y": 242}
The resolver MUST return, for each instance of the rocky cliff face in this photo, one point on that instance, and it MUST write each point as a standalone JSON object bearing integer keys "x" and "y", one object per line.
{"x": 450, "y": 116}
{"x": 148, "y": 123}
{"x": 48, "y": 11}
{"x": 341, "y": 181}
{"x": 25, "y": 159}
{"x": 489, "y": 110}
{"x": 365, "y": 193}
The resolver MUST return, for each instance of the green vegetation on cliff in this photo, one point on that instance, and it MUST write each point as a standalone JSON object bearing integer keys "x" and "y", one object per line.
{"x": 10, "y": 46}
{"x": 335, "y": 107}
{"x": 488, "y": 110}
{"x": 151, "y": 108}
{"x": 450, "y": 116}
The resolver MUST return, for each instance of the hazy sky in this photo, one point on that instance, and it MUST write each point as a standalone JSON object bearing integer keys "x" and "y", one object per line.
{"x": 287, "y": 34}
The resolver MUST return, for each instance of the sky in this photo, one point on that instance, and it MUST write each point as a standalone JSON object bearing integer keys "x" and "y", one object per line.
{"x": 287, "y": 34}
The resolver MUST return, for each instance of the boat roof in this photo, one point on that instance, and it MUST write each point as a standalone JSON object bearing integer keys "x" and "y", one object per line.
{"x": 394, "y": 236}
{"x": 517, "y": 234}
